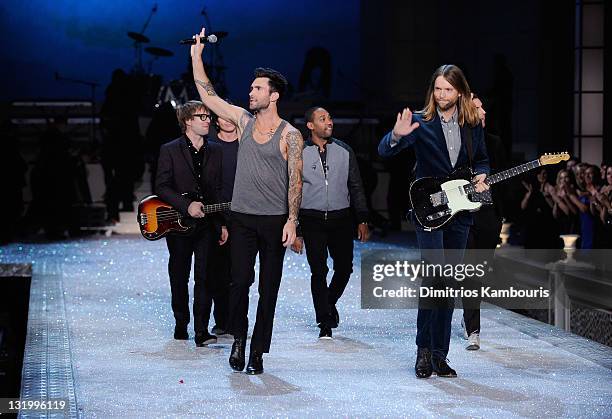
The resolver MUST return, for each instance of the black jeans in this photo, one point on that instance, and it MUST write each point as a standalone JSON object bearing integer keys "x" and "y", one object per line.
{"x": 253, "y": 234}
{"x": 220, "y": 277}
{"x": 434, "y": 324}
{"x": 484, "y": 234}
{"x": 181, "y": 249}
{"x": 320, "y": 236}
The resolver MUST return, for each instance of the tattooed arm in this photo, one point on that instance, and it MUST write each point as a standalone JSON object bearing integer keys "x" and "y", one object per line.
{"x": 295, "y": 144}
{"x": 239, "y": 116}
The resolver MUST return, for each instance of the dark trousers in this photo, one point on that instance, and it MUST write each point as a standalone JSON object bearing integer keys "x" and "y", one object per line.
{"x": 484, "y": 234}
{"x": 434, "y": 324}
{"x": 253, "y": 234}
{"x": 319, "y": 236}
{"x": 220, "y": 277}
{"x": 181, "y": 249}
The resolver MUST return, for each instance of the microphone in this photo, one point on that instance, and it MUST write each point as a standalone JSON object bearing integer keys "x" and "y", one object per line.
{"x": 210, "y": 39}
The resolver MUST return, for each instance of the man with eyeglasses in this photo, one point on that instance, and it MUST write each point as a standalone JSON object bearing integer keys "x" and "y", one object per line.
{"x": 190, "y": 164}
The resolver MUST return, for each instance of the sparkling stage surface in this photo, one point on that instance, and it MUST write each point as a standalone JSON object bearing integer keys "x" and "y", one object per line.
{"x": 100, "y": 335}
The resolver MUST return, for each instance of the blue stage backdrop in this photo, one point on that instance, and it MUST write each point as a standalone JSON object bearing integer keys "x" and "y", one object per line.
{"x": 88, "y": 39}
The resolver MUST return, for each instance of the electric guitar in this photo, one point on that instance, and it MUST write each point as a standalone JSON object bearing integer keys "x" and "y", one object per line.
{"x": 436, "y": 200}
{"x": 157, "y": 218}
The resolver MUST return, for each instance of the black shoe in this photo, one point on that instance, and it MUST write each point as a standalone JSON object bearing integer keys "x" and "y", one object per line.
{"x": 255, "y": 363}
{"x": 180, "y": 332}
{"x": 204, "y": 339}
{"x": 236, "y": 359}
{"x": 423, "y": 367}
{"x": 334, "y": 314}
{"x": 218, "y": 331}
{"x": 441, "y": 368}
{"x": 325, "y": 333}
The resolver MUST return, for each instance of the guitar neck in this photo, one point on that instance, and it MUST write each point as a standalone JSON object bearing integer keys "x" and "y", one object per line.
{"x": 217, "y": 207}
{"x": 507, "y": 174}
{"x": 515, "y": 171}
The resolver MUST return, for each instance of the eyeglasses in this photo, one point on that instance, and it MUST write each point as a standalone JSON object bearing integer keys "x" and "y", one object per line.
{"x": 203, "y": 116}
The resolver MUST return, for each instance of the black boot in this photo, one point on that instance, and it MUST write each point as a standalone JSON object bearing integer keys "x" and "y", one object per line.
{"x": 204, "y": 338}
{"x": 441, "y": 368}
{"x": 334, "y": 315}
{"x": 180, "y": 332}
{"x": 423, "y": 367}
{"x": 236, "y": 359}
{"x": 255, "y": 363}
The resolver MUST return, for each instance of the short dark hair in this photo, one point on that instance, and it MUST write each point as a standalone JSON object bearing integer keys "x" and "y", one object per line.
{"x": 308, "y": 115}
{"x": 186, "y": 111}
{"x": 277, "y": 82}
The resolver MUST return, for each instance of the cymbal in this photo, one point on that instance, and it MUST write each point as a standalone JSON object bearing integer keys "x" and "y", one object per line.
{"x": 159, "y": 52}
{"x": 138, "y": 37}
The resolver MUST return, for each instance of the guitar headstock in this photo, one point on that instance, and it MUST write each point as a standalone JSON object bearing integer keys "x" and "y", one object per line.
{"x": 553, "y": 158}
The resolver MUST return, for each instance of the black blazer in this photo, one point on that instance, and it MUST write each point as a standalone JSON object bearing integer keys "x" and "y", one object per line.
{"x": 175, "y": 176}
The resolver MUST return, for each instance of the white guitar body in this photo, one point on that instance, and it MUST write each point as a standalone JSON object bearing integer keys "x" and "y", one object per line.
{"x": 457, "y": 197}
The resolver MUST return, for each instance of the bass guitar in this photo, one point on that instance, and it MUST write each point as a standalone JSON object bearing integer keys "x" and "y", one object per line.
{"x": 156, "y": 218}
{"x": 436, "y": 200}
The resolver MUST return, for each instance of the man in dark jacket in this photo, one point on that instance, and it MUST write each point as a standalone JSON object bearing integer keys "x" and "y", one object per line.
{"x": 484, "y": 232}
{"x": 440, "y": 135}
{"x": 331, "y": 189}
{"x": 190, "y": 164}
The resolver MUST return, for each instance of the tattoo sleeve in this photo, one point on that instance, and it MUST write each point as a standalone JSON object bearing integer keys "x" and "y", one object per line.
{"x": 208, "y": 87}
{"x": 295, "y": 146}
{"x": 244, "y": 120}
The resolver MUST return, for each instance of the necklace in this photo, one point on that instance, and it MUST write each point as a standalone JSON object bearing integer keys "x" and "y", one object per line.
{"x": 270, "y": 132}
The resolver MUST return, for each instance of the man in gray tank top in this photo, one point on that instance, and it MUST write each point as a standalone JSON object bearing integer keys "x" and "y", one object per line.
{"x": 265, "y": 203}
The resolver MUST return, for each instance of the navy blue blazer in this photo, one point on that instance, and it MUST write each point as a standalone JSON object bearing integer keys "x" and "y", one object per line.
{"x": 431, "y": 151}
{"x": 432, "y": 154}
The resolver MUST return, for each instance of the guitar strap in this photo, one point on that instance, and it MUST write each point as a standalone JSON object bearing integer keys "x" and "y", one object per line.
{"x": 484, "y": 197}
{"x": 468, "y": 144}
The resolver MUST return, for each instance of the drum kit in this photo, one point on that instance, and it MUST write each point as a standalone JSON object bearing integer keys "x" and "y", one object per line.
{"x": 171, "y": 92}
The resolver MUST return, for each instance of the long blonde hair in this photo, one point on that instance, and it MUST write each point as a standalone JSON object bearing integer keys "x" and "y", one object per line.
{"x": 466, "y": 109}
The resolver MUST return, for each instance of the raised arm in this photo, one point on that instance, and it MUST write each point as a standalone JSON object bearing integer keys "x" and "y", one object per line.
{"x": 239, "y": 116}
{"x": 400, "y": 137}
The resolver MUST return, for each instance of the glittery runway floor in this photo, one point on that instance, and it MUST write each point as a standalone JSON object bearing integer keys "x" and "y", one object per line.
{"x": 100, "y": 333}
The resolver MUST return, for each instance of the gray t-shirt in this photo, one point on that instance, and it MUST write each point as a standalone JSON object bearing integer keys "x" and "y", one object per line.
{"x": 262, "y": 176}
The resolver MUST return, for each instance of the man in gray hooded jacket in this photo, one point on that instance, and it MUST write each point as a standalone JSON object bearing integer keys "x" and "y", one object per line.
{"x": 332, "y": 196}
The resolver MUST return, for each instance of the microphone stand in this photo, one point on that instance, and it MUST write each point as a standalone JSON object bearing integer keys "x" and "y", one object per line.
{"x": 138, "y": 44}
{"x": 209, "y": 28}
{"x": 216, "y": 71}
{"x": 153, "y": 10}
